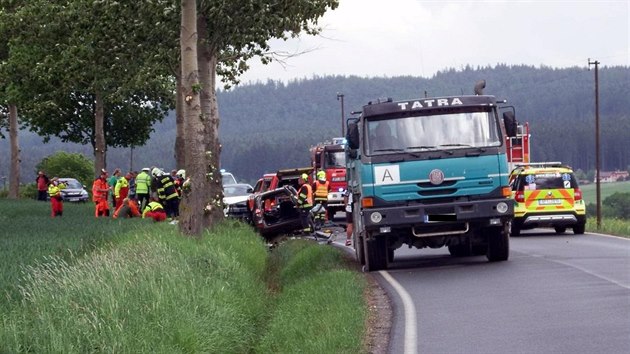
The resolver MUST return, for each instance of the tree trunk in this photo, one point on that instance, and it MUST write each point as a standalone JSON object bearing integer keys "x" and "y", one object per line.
{"x": 207, "y": 61}
{"x": 196, "y": 208}
{"x": 180, "y": 149}
{"x": 14, "y": 178}
{"x": 99, "y": 135}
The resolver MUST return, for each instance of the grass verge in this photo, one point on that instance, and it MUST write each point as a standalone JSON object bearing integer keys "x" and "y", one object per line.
{"x": 618, "y": 227}
{"x": 103, "y": 285}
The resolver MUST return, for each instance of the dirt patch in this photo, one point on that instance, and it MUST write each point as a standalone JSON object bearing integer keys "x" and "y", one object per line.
{"x": 379, "y": 318}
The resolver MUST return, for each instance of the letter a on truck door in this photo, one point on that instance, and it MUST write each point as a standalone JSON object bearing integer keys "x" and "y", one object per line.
{"x": 389, "y": 174}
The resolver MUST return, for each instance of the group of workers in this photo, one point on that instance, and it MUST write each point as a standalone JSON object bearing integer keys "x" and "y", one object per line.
{"x": 315, "y": 197}
{"x": 151, "y": 193}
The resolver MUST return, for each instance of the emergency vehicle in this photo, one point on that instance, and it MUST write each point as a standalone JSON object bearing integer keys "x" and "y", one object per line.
{"x": 330, "y": 157}
{"x": 546, "y": 194}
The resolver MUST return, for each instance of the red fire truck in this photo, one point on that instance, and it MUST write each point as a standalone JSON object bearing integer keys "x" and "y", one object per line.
{"x": 330, "y": 157}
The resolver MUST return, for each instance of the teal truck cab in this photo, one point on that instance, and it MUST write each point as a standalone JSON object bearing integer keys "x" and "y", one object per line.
{"x": 430, "y": 172}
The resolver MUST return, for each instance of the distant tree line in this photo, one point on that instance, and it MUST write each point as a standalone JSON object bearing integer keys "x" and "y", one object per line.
{"x": 270, "y": 125}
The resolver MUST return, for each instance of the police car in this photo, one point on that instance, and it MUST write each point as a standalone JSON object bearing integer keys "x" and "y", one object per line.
{"x": 546, "y": 195}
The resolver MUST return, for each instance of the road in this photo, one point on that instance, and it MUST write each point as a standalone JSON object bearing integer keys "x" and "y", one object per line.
{"x": 556, "y": 294}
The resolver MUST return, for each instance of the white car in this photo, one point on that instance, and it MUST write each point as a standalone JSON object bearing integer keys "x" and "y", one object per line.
{"x": 235, "y": 200}
{"x": 74, "y": 191}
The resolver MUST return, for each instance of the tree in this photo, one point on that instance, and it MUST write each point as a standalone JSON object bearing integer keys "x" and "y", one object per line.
{"x": 63, "y": 164}
{"x": 229, "y": 34}
{"x": 89, "y": 72}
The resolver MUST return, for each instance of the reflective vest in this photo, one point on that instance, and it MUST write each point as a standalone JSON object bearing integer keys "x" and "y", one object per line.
{"x": 166, "y": 189}
{"x": 100, "y": 188}
{"x": 305, "y": 196}
{"x": 321, "y": 191}
{"x": 143, "y": 183}
{"x": 152, "y": 206}
{"x": 55, "y": 190}
{"x": 121, "y": 184}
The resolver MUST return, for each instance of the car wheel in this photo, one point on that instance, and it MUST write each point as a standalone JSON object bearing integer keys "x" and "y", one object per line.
{"x": 560, "y": 229}
{"x": 579, "y": 228}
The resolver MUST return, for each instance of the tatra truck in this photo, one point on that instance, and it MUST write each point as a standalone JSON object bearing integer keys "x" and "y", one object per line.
{"x": 430, "y": 172}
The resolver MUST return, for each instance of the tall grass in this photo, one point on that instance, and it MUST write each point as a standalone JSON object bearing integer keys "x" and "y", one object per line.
{"x": 77, "y": 284}
{"x": 618, "y": 227}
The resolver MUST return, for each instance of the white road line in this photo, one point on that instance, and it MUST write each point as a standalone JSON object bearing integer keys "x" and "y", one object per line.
{"x": 411, "y": 340}
{"x": 603, "y": 277}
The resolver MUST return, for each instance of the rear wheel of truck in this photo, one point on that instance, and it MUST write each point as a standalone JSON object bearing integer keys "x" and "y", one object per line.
{"x": 375, "y": 253}
{"x": 515, "y": 229}
{"x": 498, "y": 243}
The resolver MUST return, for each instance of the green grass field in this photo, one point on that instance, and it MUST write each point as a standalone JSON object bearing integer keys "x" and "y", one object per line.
{"x": 78, "y": 284}
{"x": 606, "y": 189}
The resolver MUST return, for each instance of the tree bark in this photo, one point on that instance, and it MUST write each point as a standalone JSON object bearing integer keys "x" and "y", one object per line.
{"x": 180, "y": 148}
{"x": 207, "y": 62}
{"x": 100, "y": 147}
{"x": 195, "y": 208}
{"x": 14, "y": 178}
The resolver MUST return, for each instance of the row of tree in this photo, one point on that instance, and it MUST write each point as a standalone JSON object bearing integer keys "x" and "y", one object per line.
{"x": 103, "y": 72}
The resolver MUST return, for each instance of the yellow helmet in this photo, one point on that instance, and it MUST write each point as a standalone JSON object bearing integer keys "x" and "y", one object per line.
{"x": 304, "y": 177}
{"x": 321, "y": 175}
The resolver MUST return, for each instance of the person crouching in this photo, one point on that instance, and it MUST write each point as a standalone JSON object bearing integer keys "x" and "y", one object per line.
{"x": 154, "y": 210}
{"x": 128, "y": 209}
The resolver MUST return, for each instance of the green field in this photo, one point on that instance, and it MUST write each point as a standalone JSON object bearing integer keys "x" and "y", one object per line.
{"x": 78, "y": 284}
{"x": 590, "y": 195}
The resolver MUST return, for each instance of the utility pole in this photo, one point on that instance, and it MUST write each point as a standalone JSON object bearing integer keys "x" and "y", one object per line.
{"x": 340, "y": 97}
{"x": 597, "y": 163}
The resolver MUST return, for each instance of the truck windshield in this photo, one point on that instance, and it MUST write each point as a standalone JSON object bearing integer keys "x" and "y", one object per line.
{"x": 335, "y": 159}
{"x": 433, "y": 132}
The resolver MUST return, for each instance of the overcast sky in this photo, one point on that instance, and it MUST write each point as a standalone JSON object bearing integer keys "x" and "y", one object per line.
{"x": 385, "y": 38}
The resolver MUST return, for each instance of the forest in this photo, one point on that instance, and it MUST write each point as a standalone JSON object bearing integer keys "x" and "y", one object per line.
{"x": 270, "y": 125}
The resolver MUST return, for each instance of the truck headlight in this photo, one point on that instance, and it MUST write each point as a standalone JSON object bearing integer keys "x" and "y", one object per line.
{"x": 502, "y": 207}
{"x": 376, "y": 217}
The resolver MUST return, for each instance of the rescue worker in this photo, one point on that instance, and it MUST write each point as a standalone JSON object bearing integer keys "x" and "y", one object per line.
{"x": 54, "y": 192}
{"x": 348, "y": 209}
{"x": 100, "y": 191}
{"x": 322, "y": 187}
{"x": 305, "y": 203}
{"x": 121, "y": 189}
{"x": 143, "y": 187}
{"x": 42, "y": 182}
{"x": 128, "y": 209}
{"x": 167, "y": 193}
{"x": 154, "y": 210}
{"x": 111, "y": 182}
{"x": 180, "y": 179}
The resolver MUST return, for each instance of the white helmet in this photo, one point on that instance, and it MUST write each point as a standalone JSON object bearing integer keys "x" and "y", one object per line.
{"x": 157, "y": 172}
{"x": 181, "y": 173}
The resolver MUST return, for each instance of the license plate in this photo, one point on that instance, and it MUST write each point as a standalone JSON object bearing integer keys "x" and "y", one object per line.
{"x": 73, "y": 199}
{"x": 549, "y": 202}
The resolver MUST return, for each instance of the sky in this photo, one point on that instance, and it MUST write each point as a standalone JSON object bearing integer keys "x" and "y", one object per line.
{"x": 387, "y": 38}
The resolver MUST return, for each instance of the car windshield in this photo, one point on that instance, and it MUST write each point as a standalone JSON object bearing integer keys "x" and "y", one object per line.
{"x": 548, "y": 181}
{"x": 433, "y": 132}
{"x": 228, "y": 178}
{"x": 73, "y": 184}
{"x": 335, "y": 159}
{"x": 236, "y": 190}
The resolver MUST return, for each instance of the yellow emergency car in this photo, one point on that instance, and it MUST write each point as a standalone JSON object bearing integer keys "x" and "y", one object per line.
{"x": 546, "y": 195}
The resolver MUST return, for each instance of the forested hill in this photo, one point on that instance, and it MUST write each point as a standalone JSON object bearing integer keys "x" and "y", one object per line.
{"x": 267, "y": 126}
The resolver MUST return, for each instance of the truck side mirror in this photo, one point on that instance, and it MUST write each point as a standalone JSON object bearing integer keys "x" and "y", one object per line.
{"x": 510, "y": 123}
{"x": 353, "y": 135}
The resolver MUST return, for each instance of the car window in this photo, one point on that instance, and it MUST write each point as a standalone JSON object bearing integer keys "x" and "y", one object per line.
{"x": 554, "y": 180}
{"x": 228, "y": 178}
{"x": 73, "y": 184}
{"x": 236, "y": 190}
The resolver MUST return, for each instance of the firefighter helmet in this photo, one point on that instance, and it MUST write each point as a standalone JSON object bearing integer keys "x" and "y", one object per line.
{"x": 321, "y": 175}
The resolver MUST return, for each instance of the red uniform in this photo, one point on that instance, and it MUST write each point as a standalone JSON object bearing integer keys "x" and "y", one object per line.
{"x": 100, "y": 190}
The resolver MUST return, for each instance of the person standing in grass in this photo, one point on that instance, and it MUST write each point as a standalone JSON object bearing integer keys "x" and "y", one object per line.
{"x": 143, "y": 187}
{"x": 111, "y": 182}
{"x": 100, "y": 191}
{"x": 121, "y": 189}
{"x": 42, "y": 182}
{"x": 54, "y": 192}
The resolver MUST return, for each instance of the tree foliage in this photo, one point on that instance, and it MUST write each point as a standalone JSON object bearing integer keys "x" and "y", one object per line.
{"x": 70, "y": 165}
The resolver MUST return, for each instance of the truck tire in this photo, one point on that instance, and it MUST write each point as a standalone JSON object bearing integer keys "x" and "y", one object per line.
{"x": 515, "y": 229}
{"x": 375, "y": 253}
{"x": 459, "y": 250}
{"x": 579, "y": 228}
{"x": 498, "y": 243}
{"x": 358, "y": 248}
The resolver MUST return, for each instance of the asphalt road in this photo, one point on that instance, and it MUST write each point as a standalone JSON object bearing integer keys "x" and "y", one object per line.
{"x": 556, "y": 294}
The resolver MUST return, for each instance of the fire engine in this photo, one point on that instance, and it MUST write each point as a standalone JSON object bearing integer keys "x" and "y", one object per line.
{"x": 330, "y": 157}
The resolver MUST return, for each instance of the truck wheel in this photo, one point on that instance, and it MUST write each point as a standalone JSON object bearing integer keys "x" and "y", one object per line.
{"x": 375, "y": 253}
{"x": 358, "y": 248}
{"x": 390, "y": 254}
{"x": 560, "y": 229}
{"x": 579, "y": 228}
{"x": 498, "y": 243}
{"x": 459, "y": 250}
{"x": 479, "y": 250}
